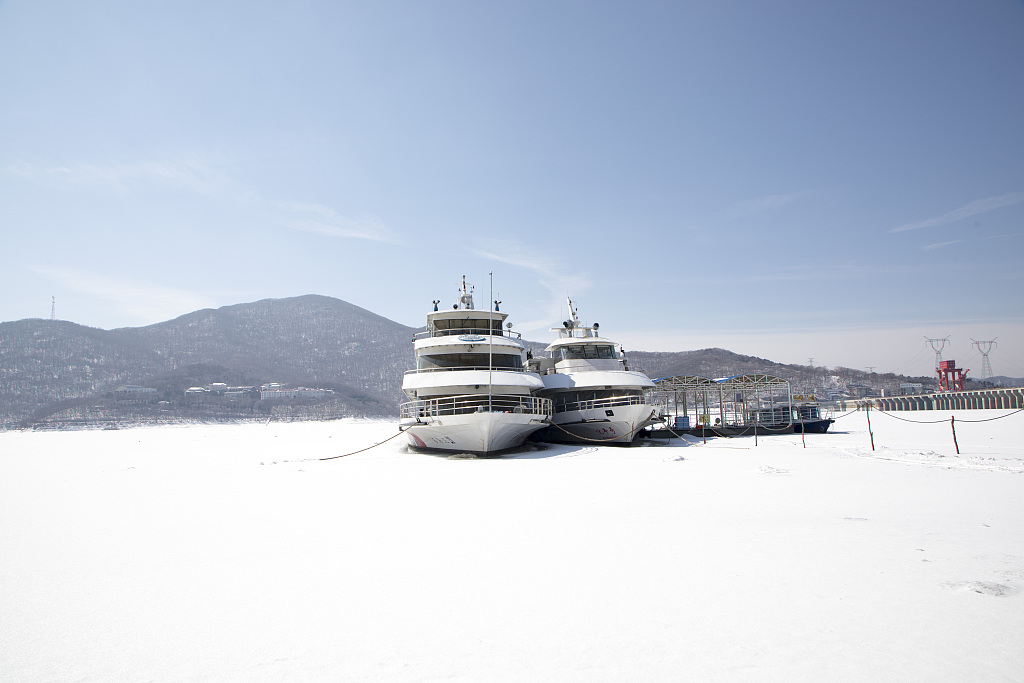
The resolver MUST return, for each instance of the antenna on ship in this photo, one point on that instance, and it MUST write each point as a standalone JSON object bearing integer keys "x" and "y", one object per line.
{"x": 490, "y": 345}
{"x": 466, "y": 298}
{"x": 574, "y": 319}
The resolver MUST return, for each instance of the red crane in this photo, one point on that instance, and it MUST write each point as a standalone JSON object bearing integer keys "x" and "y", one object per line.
{"x": 951, "y": 378}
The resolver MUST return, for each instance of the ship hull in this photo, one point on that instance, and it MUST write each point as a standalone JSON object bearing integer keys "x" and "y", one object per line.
{"x": 813, "y": 426}
{"x": 479, "y": 433}
{"x": 597, "y": 426}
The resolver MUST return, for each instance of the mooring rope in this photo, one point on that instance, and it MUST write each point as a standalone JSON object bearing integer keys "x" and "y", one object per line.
{"x": 932, "y": 422}
{"x": 706, "y": 428}
{"x": 680, "y": 436}
{"x": 904, "y": 419}
{"x": 724, "y": 433}
{"x": 1000, "y": 417}
{"x": 335, "y": 457}
{"x": 582, "y": 437}
{"x": 673, "y": 433}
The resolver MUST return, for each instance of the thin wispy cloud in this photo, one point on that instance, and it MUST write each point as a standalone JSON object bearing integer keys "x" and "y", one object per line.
{"x": 189, "y": 171}
{"x": 323, "y": 220}
{"x": 551, "y": 273}
{"x": 141, "y": 301}
{"x": 984, "y": 238}
{"x": 939, "y": 245}
{"x": 202, "y": 175}
{"x": 966, "y": 211}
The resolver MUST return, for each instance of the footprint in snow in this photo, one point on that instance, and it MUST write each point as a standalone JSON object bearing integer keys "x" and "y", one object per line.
{"x": 982, "y": 587}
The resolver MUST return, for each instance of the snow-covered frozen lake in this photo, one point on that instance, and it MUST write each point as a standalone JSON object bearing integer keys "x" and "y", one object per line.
{"x": 233, "y": 553}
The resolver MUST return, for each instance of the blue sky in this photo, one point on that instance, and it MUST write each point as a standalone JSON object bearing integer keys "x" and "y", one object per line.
{"x": 791, "y": 180}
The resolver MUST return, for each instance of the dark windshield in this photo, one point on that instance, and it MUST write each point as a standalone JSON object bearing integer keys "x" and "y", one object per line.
{"x": 469, "y": 360}
{"x": 586, "y": 351}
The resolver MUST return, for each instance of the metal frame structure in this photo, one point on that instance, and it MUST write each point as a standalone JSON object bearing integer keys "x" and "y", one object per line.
{"x": 736, "y": 400}
{"x": 951, "y": 378}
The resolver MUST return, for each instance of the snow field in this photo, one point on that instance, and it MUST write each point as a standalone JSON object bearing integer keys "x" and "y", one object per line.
{"x": 232, "y": 553}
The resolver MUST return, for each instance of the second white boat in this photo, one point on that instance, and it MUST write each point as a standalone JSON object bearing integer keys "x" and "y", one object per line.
{"x": 597, "y": 398}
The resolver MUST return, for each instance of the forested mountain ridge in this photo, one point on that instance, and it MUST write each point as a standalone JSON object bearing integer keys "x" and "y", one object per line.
{"x": 59, "y": 372}
{"x": 308, "y": 340}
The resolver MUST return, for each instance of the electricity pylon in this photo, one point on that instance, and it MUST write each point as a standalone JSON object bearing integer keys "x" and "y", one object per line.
{"x": 984, "y": 347}
{"x": 937, "y": 346}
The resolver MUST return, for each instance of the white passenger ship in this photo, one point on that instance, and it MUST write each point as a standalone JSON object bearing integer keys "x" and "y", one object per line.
{"x": 597, "y": 399}
{"x": 470, "y": 391}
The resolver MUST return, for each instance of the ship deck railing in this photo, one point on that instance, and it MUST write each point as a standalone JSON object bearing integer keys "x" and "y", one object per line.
{"x": 492, "y": 368}
{"x": 573, "y": 365}
{"x": 476, "y": 403}
{"x": 481, "y": 332}
{"x": 610, "y": 402}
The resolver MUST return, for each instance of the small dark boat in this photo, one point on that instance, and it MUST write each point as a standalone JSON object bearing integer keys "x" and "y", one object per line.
{"x": 812, "y": 426}
{"x": 807, "y": 419}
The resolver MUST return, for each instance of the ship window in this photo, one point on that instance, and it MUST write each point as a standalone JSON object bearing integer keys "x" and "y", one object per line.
{"x": 571, "y": 398}
{"x": 467, "y": 326}
{"x": 587, "y": 351}
{"x": 469, "y": 360}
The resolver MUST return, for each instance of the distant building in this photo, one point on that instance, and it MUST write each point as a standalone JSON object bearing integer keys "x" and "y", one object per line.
{"x": 911, "y": 388}
{"x": 299, "y": 392}
{"x": 860, "y": 390}
{"x": 220, "y": 389}
{"x": 270, "y": 391}
{"x": 131, "y": 389}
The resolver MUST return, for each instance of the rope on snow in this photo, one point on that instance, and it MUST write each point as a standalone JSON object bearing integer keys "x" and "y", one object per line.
{"x": 345, "y": 455}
